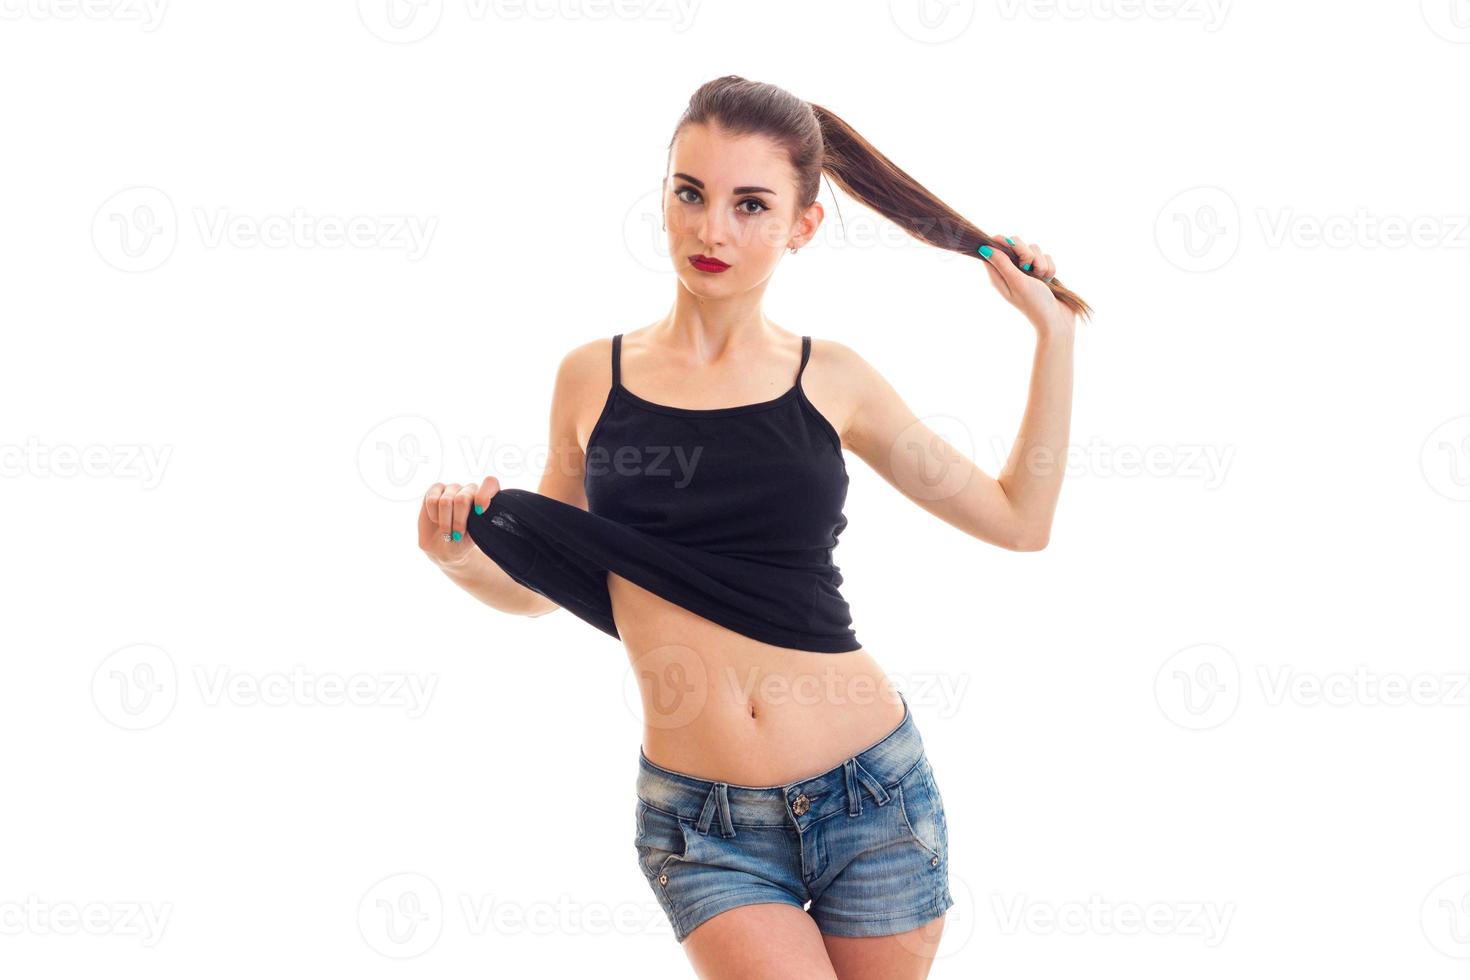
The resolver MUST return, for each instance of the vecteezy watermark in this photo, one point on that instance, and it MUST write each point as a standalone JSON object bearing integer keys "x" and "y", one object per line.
{"x": 1361, "y": 687}
{"x": 221, "y": 685}
{"x": 1201, "y": 686}
{"x": 932, "y": 21}
{"x": 672, "y": 466}
{"x": 677, "y": 685}
{"x": 407, "y": 21}
{"x": 1445, "y": 458}
{"x": 401, "y": 916}
{"x": 147, "y": 14}
{"x": 1206, "y": 921}
{"x": 930, "y": 457}
{"x": 34, "y": 916}
{"x": 123, "y": 460}
{"x": 942, "y": 692}
{"x": 404, "y": 915}
{"x": 1362, "y": 229}
{"x": 1198, "y": 687}
{"x": 399, "y": 457}
{"x": 1210, "y": 13}
{"x": 137, "y": 687}
{"x": 564, "y": 915}
{"x": 137, "y": 229}
{"x": 1450, "y": 19}
{"x": 1204, "y": 462}
{"x": 1445, "y": 917}
{"x": 1198, "y": 230}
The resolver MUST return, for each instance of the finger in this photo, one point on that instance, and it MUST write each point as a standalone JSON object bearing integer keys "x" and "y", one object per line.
{"x": 1026, "y": 253}
{"x": 1046, "y": 267}
{"x": 488, "y": 488}
{"x": 1011, "y": 277}
{"x": 431, "y": 500}
{"x": 446, "y": 507}
{"x": 462, "y": 501}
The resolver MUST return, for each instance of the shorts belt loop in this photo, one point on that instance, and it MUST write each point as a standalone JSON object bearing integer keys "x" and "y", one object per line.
{"x": 854, "y": 798}
{"x": 718, "y": 799}
{"x": 869, "y": 780}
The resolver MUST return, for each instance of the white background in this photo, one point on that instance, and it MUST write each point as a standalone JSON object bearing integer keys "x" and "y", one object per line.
{"x": 1185, "y": 707}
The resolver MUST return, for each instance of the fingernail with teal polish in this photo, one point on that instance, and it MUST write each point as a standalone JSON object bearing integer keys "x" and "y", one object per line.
{"x": 986, "y": 252}
{"x": 1026, "y": 267}
{"x": 457, "y": 535}
{"x": 479, "y": 509}
{"x": 1010, "y": 242}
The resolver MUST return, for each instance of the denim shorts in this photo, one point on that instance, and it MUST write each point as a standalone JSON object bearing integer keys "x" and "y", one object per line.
{"x": 863, "y": 847}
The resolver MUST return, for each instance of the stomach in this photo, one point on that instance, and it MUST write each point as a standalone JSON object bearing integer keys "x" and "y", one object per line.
{"x": 722, "y": 706}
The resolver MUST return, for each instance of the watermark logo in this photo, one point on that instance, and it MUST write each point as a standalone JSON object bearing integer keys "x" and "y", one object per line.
{"x": 136, "y": 687}
{"x": 401, "y": 916}
{"x": 136, "y": 229}
{"x": 1445, "y": 917}
{"x": 932, "y": 21}
{"x": 931, "y": 457}
{"x": 676, "y": 682}
{"x": 1206, "y": 921}
{"x": 1445, "y": 459}
{"x": 400, "y": 21}
{"x": 1198, "y": 687}
{"x": 1450, "y": 19}
{"x": 1198, "y": 230}
{"x": 400, "y": 456}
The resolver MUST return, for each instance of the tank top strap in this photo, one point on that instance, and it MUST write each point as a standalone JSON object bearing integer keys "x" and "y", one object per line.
{"x": 806, "y": 352}
{"x": 617, "y": 352}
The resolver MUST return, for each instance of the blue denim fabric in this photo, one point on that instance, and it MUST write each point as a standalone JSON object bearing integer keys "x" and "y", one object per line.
{"x": 863, "y": 847}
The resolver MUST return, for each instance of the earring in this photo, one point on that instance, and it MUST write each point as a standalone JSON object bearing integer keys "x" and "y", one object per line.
{"x": 793, "y": 250}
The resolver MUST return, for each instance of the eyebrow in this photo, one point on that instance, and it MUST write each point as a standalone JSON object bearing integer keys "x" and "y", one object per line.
{"x": 739, "y": 190}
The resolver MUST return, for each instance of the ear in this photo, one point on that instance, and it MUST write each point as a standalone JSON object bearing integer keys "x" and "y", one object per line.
{"x": 808, "y": 223}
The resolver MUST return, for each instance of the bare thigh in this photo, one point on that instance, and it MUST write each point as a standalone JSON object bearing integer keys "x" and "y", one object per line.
{"x": 904, "y": 956}
{"x": 753, "y": 942}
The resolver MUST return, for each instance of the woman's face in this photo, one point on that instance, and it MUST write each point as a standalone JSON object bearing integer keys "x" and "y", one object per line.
{"x": 731, "y": 199}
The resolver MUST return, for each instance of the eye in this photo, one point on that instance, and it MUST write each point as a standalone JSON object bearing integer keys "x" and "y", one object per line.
{"x": 760, "y": 205}
{"x": 678, "y": 193}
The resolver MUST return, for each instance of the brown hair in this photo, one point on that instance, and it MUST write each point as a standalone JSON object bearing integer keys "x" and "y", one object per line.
{"x": 818, "y": 141}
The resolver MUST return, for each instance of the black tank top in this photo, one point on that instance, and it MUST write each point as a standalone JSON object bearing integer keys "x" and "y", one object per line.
{"x": 732, "y": 513}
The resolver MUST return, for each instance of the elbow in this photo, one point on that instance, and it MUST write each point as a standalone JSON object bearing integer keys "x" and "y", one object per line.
{"x": 1030, "y": 539}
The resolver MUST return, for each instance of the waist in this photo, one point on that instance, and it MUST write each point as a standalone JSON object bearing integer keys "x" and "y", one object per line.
{"x": 883, "y": 762}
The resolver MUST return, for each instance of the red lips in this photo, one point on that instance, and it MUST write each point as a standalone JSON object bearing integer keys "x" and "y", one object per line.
{"x": 705, "y": 263}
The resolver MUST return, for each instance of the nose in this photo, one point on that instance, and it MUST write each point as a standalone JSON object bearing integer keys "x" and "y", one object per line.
{"x": 716, "y": 228}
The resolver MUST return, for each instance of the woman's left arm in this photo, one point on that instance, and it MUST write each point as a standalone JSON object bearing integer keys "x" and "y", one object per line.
{"x": 1015, "y": 510}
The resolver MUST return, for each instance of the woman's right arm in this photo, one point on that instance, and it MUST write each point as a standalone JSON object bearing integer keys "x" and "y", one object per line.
{"x": 445, "y": 509}
{"x": 581, "y": 375}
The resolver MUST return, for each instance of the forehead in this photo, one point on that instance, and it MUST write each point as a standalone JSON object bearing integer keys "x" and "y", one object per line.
{"x": 724, "y": 159}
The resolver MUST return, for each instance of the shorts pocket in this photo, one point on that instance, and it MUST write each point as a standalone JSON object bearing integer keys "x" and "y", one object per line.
{"x": 662, "y": 838}
{"x": 923, "y": 811}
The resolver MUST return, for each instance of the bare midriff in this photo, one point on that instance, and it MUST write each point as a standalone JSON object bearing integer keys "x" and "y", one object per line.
{"x": 722, "y": 706}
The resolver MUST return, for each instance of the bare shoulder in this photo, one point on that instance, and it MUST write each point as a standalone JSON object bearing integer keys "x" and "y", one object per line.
{"x": 839, "y": 381}
{"x": 858, "y": 395}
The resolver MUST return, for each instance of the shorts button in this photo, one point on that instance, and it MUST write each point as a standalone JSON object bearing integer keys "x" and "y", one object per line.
{"x": 801, "y": 805}
{"x": 934, "y": 860}
{"x": 663, "y": 879}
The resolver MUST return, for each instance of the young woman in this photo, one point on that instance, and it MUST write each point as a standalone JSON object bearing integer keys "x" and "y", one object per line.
{"x": 787, "y": 818}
